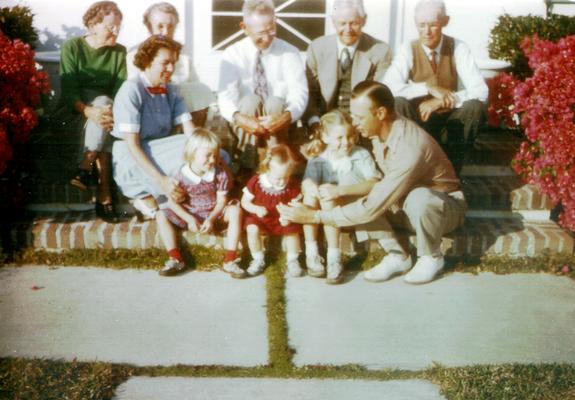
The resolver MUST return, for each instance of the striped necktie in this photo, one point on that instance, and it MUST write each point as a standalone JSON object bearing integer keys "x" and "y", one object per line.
{"x": 433, "y": 60}
{"x": 260, "y": 81}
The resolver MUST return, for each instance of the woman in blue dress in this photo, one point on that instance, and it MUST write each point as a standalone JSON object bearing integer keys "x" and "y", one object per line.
{"x": 147, "y": 110}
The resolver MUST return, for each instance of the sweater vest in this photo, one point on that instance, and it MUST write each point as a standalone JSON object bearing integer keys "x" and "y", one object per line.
{"x": 446, "y": 74}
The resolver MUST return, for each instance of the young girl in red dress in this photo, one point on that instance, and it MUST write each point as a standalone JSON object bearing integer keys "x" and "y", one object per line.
{"x": 272, "y": 185}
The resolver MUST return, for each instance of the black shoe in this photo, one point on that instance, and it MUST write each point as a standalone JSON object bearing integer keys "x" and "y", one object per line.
{"x": 107, "y": 212}
{"x": 84, "y": 178}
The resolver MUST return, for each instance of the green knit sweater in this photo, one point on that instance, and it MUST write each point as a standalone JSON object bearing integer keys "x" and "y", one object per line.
{"x": 86, "y": 72}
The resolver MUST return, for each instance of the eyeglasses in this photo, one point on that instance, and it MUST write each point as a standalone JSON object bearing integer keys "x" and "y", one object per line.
{"x": 113, "y": 29}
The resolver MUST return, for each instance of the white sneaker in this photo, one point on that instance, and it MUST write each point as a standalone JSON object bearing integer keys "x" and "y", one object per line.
{"x": 425, "y": 269}
{"x": 315, "y": 266}
{"x": 256, "y": 267}
{"x": 233, "y": 268}
{"x": 334, "y": 272}
{"x": 390, "y": 265}
{"x": 172, "y": 267}
{"x": 294, "y": 269}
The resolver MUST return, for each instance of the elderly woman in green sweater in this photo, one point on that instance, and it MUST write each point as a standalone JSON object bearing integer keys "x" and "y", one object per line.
{"x": 92, "y": 69}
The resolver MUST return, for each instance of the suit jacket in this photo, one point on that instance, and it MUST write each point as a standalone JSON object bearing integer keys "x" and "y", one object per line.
{"x": 371, "y": 59}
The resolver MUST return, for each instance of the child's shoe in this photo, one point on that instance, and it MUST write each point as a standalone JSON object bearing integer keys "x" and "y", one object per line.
{"x": 172, "y": 267}
{"x": 256, "y": 267}
{"x": 334, "y": 272}
{"x": 233, "y": 268}
{"x": 294, "y": 269}
{"x": 315, "y": 266}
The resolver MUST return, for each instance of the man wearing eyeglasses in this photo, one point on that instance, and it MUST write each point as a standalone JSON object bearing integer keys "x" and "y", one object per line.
{"x": 263, "y": 88}
{"x": 336, "y": 63}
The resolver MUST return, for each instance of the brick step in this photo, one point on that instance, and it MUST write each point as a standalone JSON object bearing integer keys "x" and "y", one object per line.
{"x": 500, "y": 193}
{"x": 80, "y": 230}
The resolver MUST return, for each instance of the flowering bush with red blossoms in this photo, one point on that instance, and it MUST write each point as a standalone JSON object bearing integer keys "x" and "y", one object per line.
{"x": 501, "y": 110}
{"x": 546, "y": 103}
{"x": 20, "y": 88}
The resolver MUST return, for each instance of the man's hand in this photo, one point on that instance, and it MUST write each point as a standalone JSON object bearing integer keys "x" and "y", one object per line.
{"x": 251, "y": 125}
{"x": 101, "y": 116}
{"x": 328, "y": 192}
{"x": 445, "y": 95}
{"x": 300, "y": 214}
{"x": 428, "y": 107}
{"x": 274, "y": 125}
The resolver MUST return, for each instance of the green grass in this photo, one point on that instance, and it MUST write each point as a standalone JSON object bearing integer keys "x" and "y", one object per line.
{"x": 39, "y": 379}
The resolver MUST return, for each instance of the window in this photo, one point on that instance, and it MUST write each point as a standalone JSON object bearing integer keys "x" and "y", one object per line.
{"x": 298, "y": 22}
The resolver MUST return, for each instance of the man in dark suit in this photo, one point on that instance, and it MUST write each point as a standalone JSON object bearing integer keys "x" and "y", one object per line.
{"x": 336, "y": 63}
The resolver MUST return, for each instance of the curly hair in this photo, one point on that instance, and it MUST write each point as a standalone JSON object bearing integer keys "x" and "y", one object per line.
{"x": 149, "y": 48}
{"x": 327, "y": 122}
{"x": 200, "y": 137}
{"x": 163, "y": 7}
{"x": 282, "y": 154}
{"x": 97, "y": 11}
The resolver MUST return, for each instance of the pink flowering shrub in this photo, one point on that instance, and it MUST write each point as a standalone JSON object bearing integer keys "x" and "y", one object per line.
{"x": 501, "y": 109}
{"x": 545, "y": 102}
{"x": 20, "y": 88}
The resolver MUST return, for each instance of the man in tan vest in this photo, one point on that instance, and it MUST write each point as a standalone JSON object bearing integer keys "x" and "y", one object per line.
{"x": 436, "y": 83}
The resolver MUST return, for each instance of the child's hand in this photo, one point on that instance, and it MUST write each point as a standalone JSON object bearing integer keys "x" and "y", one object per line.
{"x": 261, "y": 211}
{"x": 193, "y": 225}
{"x": 207, "y": 226}
{"x": 284, "y": 222}
{"x": 296, "y": 200}
{"x": 328, "y": 192}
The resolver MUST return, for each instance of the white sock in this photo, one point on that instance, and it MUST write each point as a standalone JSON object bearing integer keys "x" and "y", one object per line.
{"x": 258, "y": 255}
{"x": 333, "y": 254}
{"x": 292, "y": 256}
{"x": 311, "y": 249}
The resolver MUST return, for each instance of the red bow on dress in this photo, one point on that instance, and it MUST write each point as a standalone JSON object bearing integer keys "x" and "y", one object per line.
{"x": 157, "y": 90}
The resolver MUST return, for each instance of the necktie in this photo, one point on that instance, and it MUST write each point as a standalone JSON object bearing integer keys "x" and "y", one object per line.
{"x": 433, "y": 61}
{"x": 345, "y": 61}
{"x": 157, "y": 89}
{"x": 260, "y": 81}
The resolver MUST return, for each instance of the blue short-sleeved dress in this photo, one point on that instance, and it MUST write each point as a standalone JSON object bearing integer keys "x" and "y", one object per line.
{"x": 358, "y": 167}
{"x": 153, "y": 116}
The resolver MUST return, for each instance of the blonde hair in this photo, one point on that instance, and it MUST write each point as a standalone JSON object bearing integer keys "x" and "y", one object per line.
{"x": 199, "y": 137}
{"x": 282, "y": 154}
{"x": 326, "y": 124}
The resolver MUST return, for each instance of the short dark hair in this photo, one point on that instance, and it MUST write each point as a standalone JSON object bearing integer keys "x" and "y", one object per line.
{"x": 376, "y": 92}
{"x": 149, "y": 48}
{"x": 97, "y": 11}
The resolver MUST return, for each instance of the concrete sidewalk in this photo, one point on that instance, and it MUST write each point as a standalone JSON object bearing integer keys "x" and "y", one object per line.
{"x": 132, "y": 316}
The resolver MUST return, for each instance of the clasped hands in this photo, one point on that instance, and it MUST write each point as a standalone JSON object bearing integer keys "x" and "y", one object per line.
{"x": 264, "y": 126}
{"x": 101, "y": 115}
{"x": 441, "y": 99}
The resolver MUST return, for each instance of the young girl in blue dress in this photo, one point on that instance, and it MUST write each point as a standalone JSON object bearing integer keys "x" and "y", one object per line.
{"x": 336, "y": 172}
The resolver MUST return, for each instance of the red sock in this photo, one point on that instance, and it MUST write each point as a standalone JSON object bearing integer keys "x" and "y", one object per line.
{"x": 175, "y": 254}
{"x": 231, "y": 255}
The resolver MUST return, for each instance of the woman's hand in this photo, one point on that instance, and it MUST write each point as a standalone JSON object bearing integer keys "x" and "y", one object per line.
{"x": 172, "y": 189}
{"x": 101, "y": 116}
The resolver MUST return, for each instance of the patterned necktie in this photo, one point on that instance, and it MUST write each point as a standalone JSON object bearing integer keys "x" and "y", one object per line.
{"x": 345, "y": 61}
{"x": 433, "y": 60}
{"x": 260, "y": 81}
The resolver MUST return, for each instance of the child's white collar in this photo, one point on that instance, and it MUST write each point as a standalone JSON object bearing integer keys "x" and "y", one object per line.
{"x": 191, "y": 175}
{"x": 266, "y": 184}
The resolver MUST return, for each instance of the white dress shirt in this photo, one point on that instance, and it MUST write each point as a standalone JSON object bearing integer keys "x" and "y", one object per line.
{"x": 285, "y": 75}
{"x": 471, "y": 84}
